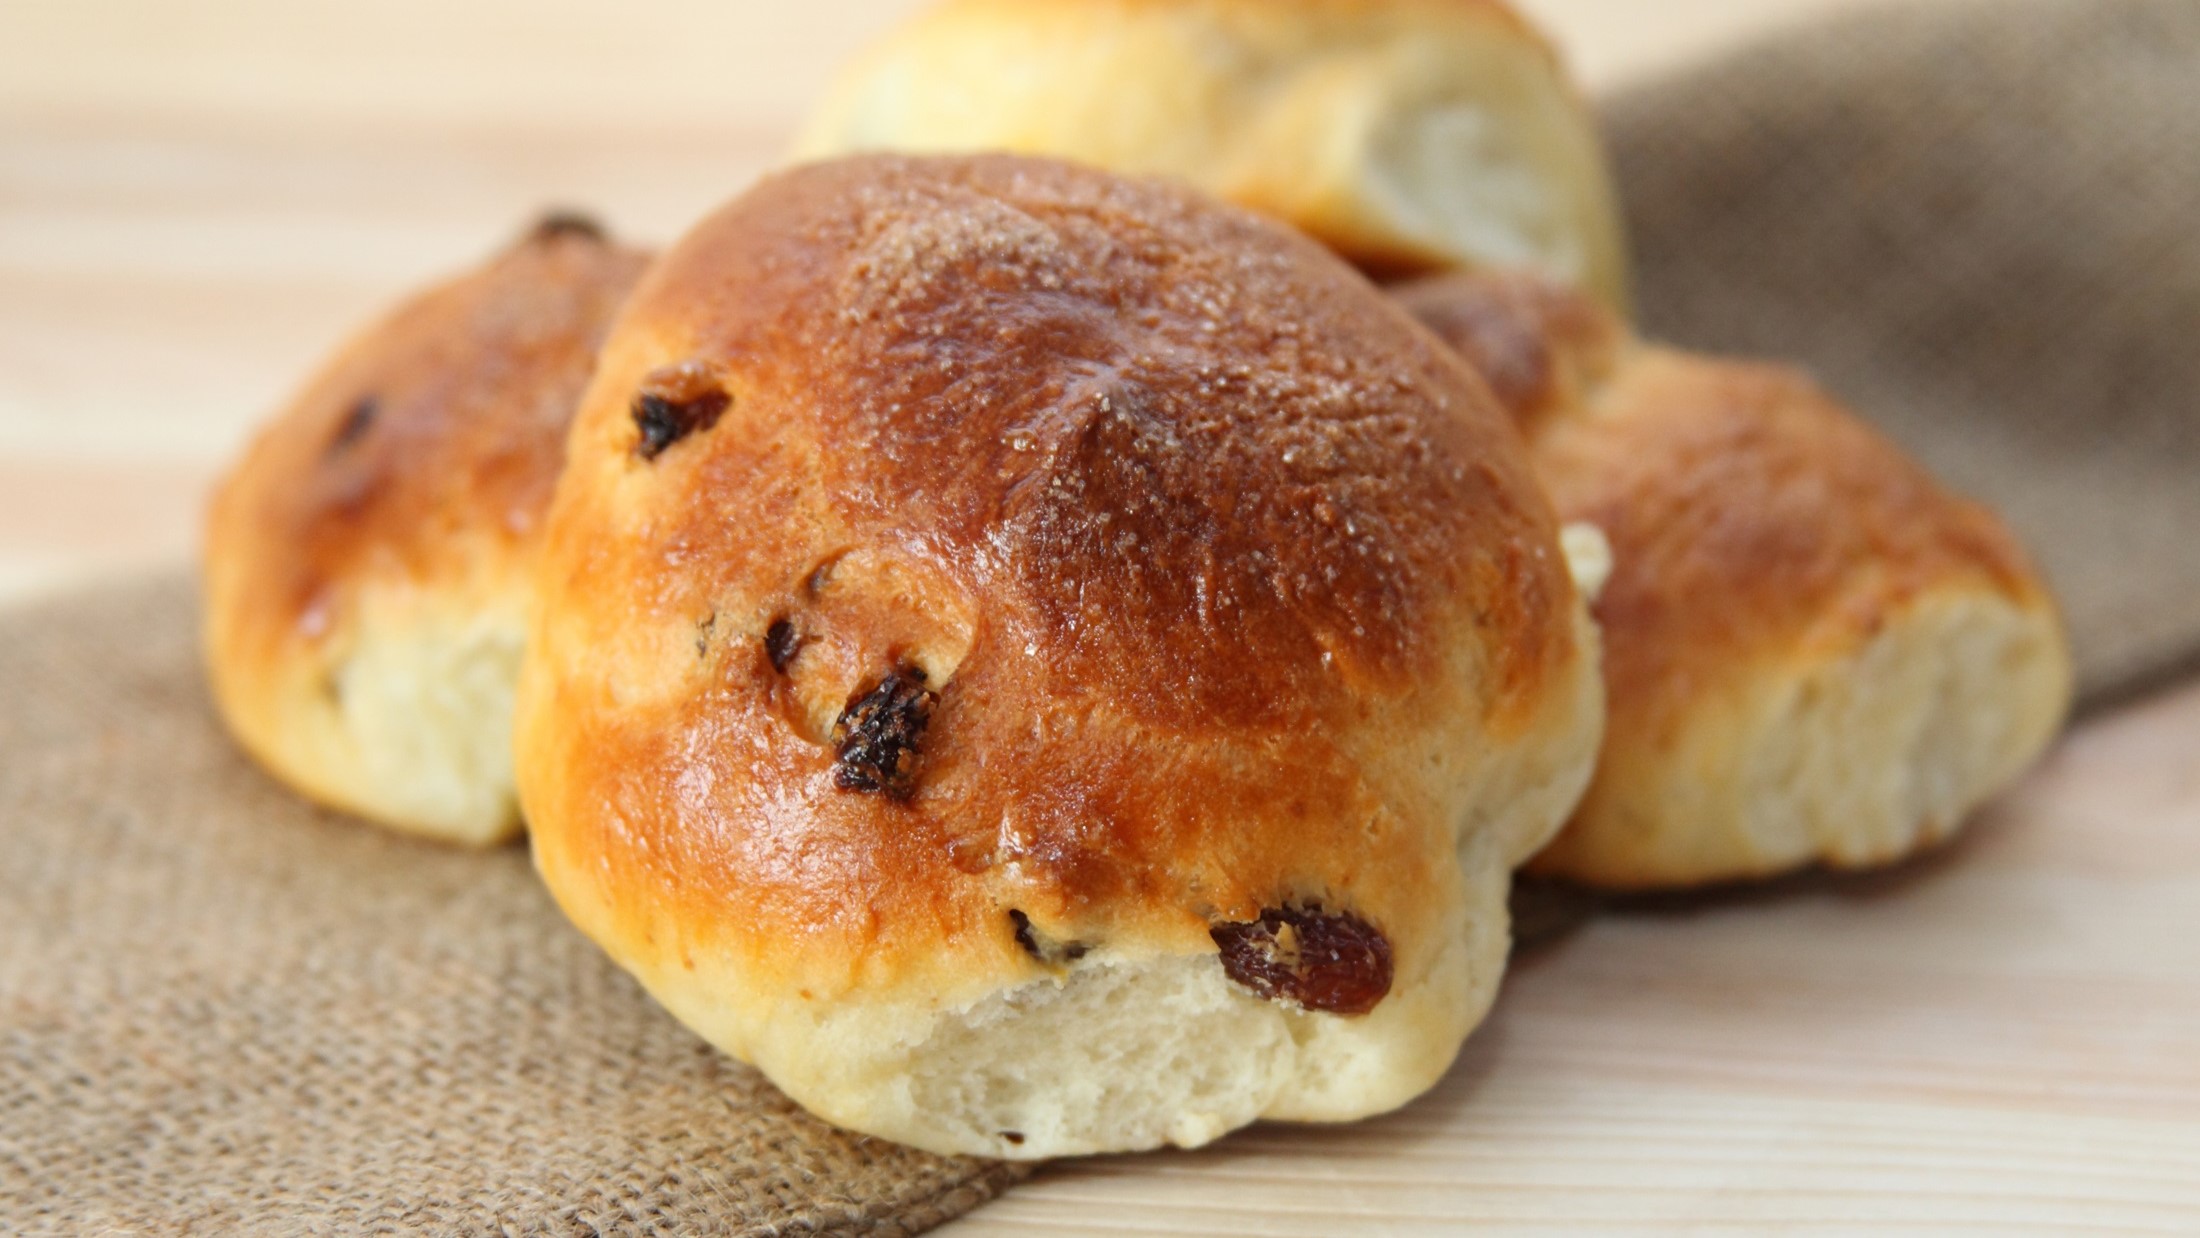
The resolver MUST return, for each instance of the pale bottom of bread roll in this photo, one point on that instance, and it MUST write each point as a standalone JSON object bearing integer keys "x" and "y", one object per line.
{"x": 1856, "y": 759}
{"x": 1122, "y": 1054}
{"x": 406, "y": 718}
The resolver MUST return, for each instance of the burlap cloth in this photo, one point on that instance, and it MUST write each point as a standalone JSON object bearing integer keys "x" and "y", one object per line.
{"x": 1980, "y": 222}
{"x": 224, "y": 1012}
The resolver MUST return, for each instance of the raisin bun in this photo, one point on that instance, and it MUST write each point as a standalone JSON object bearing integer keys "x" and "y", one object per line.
{"x": 366, "y": 581}
{"x": 1040, "y": 662}
{"x": 1813, "y": 652}
{"x": 1409, "y": 135}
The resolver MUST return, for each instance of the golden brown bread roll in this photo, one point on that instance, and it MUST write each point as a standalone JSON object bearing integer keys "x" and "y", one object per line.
{"x": 366, "y": 560}
{"x": 1409, "y": 135}
{"x": 1045, "y": 663}
{"x": 1813, "y": 653}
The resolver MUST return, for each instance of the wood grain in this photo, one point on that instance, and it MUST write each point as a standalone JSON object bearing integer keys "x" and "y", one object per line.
{"x": 196, "y": 201}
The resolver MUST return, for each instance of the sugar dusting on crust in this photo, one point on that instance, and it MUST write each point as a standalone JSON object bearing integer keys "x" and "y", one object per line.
{"x": 904, "y": 250}
{"x": 1201, "y": 452}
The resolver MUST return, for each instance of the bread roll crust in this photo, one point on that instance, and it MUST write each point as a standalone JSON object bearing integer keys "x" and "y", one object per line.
{"x": 1408, "y": 135}
{"x": 383, "y": 522}
{"x": 1746, "y": 483}
{"x": 1812, "y": 651}
{"x": 1541, "y": 347}
{"x": 1190, "y": 579}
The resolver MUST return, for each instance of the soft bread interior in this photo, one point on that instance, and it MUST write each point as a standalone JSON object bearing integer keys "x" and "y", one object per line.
{"x": 1853, "y": 758}
{"x": 403, "y": 715}
{"x": 1483, "y": 159}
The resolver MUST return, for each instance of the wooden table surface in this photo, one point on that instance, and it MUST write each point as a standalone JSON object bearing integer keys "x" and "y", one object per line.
{"x": 197, "y": 200}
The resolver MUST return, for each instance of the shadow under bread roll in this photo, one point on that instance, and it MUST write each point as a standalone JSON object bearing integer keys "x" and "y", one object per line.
{"x": 1044, "y": 663}
{"x": 1813, "y": 653}
{"x": 365, "y": 564}
{"x": 1408, "y": 135}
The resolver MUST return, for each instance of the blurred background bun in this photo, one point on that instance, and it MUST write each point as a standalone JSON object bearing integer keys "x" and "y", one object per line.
{"x": 1815, "y": 653}
{"x": 1408, "y": 135}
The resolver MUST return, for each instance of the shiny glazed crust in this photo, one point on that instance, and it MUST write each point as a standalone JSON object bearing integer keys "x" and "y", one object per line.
{"x": 1167, "y": 575}
{"x": 365, "y": 561}
{"x": 1408, "y": 135}
{"x": 1812, "y": 651}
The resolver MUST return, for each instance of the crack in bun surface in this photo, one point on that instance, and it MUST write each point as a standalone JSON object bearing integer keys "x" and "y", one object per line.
{"x": 366, "y": 560}
{"x": 1081, "y": 580}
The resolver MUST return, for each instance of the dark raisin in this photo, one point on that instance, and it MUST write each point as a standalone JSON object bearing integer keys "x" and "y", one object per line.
{"x": 1015, "y": 1137}
{"x": 1041, "y": 947}
{"x": 567, "y": 223}
{"x": 674, "y": 402}
{"x": 357, "y": 420}
{"x": 1329, "y": 961}
{"x": 781, "y": 644}
{"x": 1023, "y": 933}
{"x": 877, "y": 734}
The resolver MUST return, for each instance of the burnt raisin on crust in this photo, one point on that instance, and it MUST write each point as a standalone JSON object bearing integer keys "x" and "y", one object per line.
{"x": 781, "y": 644}
{"x": 558, "y": 223}
{"x": 1333, "y": 962}
{"x": 1041, "y": 947}
{"x": 358, "y": 419}
{"x": 876, "y": 736}
{"x": 674, "y": 402}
